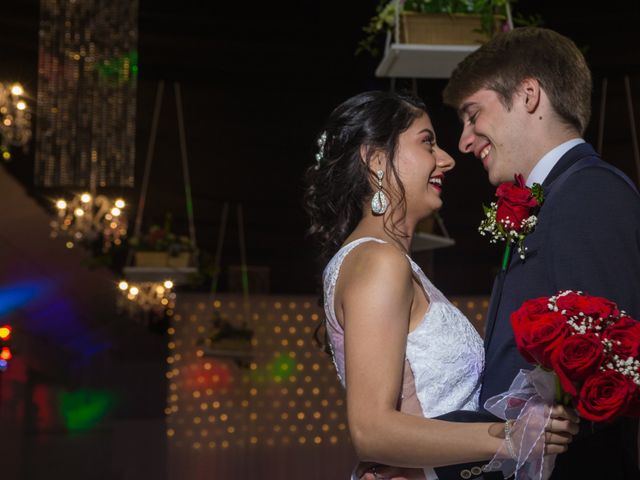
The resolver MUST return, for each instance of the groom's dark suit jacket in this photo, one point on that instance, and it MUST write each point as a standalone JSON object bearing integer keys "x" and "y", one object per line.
{"x": 587, "y": 238}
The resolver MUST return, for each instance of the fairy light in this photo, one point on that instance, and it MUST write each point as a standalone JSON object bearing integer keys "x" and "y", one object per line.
{"x": 86, "y": 219}
{"x": 147, "y": 297}
{"x": 15, "y": 119}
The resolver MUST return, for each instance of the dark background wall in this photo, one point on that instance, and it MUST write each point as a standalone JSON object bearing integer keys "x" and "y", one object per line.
{"x": 258, "y": 78}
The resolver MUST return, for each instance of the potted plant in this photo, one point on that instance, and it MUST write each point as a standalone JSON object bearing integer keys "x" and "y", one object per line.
{"x": 446, "y": 22}
{"x": 160, "y": 247}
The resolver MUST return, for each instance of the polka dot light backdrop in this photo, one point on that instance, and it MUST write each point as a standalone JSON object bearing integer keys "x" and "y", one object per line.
{"x": 281, "y": 411}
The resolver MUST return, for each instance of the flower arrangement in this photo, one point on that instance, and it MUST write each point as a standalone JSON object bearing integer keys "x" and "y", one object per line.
{"x": 511, "y": 218}
{"x": 162, "y": 239}
{"x": 591, "y": 346}
{"x": 384, "y": 19}
{"x": 587, "y": 355}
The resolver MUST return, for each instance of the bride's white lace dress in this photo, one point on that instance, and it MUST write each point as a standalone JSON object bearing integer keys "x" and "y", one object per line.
{"x": 444, "y": 354}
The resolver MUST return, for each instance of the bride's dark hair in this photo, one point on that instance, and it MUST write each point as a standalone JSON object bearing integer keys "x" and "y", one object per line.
{"x": 339, "y": 183}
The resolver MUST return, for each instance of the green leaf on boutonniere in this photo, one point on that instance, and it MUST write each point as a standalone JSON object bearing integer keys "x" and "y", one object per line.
{"x": 537, "y": 192}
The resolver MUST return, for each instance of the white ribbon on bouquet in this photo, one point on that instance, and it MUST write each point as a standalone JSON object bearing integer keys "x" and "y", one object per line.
{"x": 528, "y": 401}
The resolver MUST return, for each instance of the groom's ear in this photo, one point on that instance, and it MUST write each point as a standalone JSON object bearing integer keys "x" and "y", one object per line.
{"x": 530, "y": 94}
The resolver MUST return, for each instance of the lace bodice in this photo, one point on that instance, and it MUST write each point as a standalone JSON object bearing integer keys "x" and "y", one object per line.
{"x": 444, "y": 352}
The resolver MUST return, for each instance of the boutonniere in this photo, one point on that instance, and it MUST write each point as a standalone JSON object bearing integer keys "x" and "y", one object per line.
{"x": 512, "y": 217}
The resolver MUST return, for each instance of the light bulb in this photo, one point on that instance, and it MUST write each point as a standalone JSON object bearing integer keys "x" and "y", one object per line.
{"x": 86, "y": 198}
{"x": 120, "y": 203}
{"x": 123, "y": 285}
{"x": 16, "y": 89}
{"x": 61, "y": 204}
{"x": 168, "y": 284}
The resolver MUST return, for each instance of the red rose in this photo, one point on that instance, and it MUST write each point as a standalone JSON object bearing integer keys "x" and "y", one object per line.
{"x": 538, "y": 331}
{"x": 606, "y": 395}
{"x": 515, "y": 202}
{"x": 596, "y": 307}
{"x": 625, "y": 337}
{"x": 575, "y": 359}
{"x": 532, "y": 308}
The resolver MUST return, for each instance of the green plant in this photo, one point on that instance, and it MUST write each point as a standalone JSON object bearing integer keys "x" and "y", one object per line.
{"x": 384, "y": 20}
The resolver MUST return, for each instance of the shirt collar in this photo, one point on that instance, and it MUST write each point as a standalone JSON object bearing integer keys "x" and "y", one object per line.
{"x": 546, "y": 163}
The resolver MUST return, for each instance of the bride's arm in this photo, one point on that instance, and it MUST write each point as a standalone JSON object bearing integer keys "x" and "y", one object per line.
{"x": 376, "y": 296}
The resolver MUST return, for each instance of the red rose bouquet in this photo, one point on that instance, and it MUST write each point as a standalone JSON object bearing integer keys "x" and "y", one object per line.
{"x": 591, "y": 346}
{"x": 511, "y": 217}
{"x": 587, "y": 354}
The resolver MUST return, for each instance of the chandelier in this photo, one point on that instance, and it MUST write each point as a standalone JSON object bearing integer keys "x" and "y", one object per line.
{"x": 15, "y": 119}
{"x": 87, "y": 219}
{"x": 150, "y": 297}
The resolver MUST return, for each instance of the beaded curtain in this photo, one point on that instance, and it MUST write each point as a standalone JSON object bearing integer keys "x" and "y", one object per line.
{"x": 87, "y": 80}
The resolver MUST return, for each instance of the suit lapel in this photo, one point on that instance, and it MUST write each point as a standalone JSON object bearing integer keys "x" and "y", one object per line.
{"x": 496, "y": 294}
{"x": 568, "y": 159}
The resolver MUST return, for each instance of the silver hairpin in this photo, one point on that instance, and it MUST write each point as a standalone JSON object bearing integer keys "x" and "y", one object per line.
{"x": 322, "y": 139}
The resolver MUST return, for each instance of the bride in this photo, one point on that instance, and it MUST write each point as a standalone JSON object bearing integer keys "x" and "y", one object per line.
{"x": 404, "y": 353}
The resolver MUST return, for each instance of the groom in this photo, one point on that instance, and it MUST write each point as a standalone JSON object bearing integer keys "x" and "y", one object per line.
{"x": 524, "y": 99}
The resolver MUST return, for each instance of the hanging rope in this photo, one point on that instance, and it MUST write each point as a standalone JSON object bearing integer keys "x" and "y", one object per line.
{"x": 149, "y": 159}
{"x": 185, "y": 165}
{"x": 243, "y": 267}
{"x": 147, "y": 164}
{"x": 243, "y": 254}
{"x": 603, "y": 108}
{"x": 218, "y": 255}
{"x": 632, "y": 123}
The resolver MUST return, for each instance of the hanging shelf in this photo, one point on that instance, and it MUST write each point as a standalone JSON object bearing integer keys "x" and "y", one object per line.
{"x": 407, "y": 60}
{"x": 178, "y": 269}
{"x": 429, "y": 45}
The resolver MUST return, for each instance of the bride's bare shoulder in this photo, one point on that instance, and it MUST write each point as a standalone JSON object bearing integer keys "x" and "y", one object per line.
{"x": 374, "y": 261}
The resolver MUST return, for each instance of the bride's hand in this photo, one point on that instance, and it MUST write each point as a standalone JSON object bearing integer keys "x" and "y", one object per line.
{"x": 560, "y": 429}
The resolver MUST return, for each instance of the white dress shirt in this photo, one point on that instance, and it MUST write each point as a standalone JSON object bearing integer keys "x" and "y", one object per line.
{"x": 546, "y": 163}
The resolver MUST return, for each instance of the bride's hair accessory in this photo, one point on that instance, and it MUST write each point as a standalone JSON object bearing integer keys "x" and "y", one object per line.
{"x": 322, "y": 139}
{"x": 379, "y": 202}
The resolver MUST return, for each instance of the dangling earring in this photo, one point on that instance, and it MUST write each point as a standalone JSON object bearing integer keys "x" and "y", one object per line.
{"x": 379, "y": 201}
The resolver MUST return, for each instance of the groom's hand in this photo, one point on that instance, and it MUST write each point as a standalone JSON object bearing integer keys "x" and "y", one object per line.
{"x": 376, "y": 471}
{"x": 563, "y": 424}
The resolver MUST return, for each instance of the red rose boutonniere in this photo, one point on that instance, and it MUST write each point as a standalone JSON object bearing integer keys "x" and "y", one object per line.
{"x": 511, "y": 218}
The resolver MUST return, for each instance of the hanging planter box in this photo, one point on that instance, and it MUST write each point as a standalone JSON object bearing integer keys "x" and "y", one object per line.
{"x": 162, "y": 259}
{"x": 442, "y": 29}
